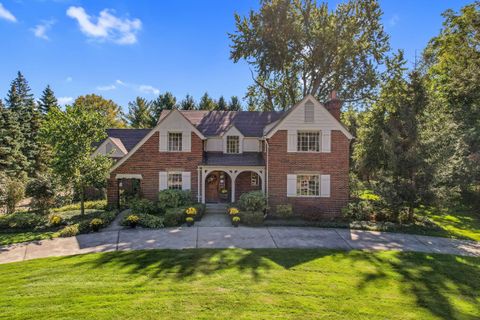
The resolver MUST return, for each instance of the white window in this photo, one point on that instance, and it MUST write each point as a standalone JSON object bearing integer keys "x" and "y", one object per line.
{"x": 175, "y": 181}
{"x": 233, "y": 144}
{"x": 309, "y": 112}
{"x": 308, "y": 185}
{"x": 174, "y": 141}
{"x": 308, "y": 141}
{"x": 254, "y": 179}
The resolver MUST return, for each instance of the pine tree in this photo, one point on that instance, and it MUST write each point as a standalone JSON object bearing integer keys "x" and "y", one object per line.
{"x": 221, "y": 104}
{"x": 166, "y": 101}
{"x": 207, "y": 103}
{"x": 188, "y": 103}
{"x": 140, "y": 114}
{"x": 234, "y": 104}
{"x": 47, "y": 101}
{"x": 20, "y": 101}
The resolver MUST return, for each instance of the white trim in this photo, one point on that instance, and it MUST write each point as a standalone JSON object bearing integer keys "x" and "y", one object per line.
{"x": 115, "y": 141}
{"x": 150, "y": 134}
{"x": 128, "y": 176}
{"x": 274, "y": 129}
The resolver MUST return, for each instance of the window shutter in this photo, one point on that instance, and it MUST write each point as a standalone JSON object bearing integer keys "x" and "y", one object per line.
{"x": 186, "y": 141}
{"x": 186, "y": 184}
{"x": 292, "y": 141}
{"x": 325, "y": 185}
{"x": 291, "y": 185}
{"x": 326, "y": 140}
{"x": 163, "y": 141}
{"x": 162, "y": 180}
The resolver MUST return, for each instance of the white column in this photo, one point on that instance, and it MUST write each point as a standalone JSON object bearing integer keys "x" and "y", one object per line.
{"x": 262, "y": 176}
{"x": 199, "y": 176}
{"x": 203, "y": 177}
{"x": 233, "y": 178}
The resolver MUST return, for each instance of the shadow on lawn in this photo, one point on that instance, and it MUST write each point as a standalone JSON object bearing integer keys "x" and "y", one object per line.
{"x": 431, "y": 278}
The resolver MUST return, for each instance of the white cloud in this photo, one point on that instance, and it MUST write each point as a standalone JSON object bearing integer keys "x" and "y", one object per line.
{"x": 394, "y": 20}
{"x": 106, "y": 88}
{"x": 40, "y": 30}
{"x": 7, "y": 15}
{"x": 107, "y": 27}
{"x": 64, "y": 100}
{"x": 148, "y": 89}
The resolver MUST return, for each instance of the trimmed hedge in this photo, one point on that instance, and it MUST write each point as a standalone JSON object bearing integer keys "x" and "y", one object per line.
{"x": 98, "y": 205}
{"x": 251, "y": 218}
{"x": 147, "y": 221}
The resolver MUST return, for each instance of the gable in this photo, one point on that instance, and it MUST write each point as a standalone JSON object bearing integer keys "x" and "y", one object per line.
{"x": 295, "y": 119}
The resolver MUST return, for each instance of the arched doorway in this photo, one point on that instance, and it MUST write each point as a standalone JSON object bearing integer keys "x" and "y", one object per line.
{"x": 217, "y": 187}
{"x": 247, "y": 181}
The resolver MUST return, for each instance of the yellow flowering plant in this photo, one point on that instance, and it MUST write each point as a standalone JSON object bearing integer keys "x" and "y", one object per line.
{"x": 189, "y": 219}
{"x": 191, "y": 211}
{"x": 55, "y": 220}
{"x": 236, "y": 219}
{"x": 233, "y": 211}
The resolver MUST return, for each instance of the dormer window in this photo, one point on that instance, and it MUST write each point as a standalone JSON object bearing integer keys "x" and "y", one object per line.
{"x": 233, "y": 144}
{"x": 174, "y": 141}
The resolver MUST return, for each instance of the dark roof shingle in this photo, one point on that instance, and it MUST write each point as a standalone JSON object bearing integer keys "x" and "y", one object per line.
{"x": 241, "y": 159}
{"x": 129, "y": 137}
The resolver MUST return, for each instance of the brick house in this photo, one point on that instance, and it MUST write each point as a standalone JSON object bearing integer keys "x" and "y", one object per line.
{"x": 300, "y": 156}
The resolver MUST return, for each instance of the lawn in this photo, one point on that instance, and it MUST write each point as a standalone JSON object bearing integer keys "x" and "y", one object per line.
{"x": 243, "y": 284}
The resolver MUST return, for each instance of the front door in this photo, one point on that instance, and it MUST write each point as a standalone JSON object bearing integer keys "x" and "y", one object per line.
{"x": 211, "y": 188}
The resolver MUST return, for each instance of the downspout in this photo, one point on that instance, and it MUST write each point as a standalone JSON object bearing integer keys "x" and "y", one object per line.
{"x": 199, "y": 173}
{"x": 266, "y": 172}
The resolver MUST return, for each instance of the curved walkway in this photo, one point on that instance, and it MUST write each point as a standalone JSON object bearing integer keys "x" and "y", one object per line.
{"x": 241, "y": 237}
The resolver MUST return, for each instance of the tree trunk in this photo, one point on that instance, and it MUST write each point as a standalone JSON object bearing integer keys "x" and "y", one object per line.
{"x": 82, "y": 201}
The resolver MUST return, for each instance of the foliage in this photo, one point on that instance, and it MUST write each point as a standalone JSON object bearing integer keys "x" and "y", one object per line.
{"x": 42, "y": 190}
{"x": 72, "y": 134}
{"x": 236, "y": 219}
{"x": 144, "y": 220}
{"x": 189, "y": 220}
{"x": 174, "y": 217}
{"x": 299, "y": 47}
{"x": 253, "y": 201}
{"x": 55, "y": 220}
{"x": 284, "y": 210}
{"x": 252, "y": 218}
{"x": 191, "y": 211}
{"x": 69, "y": 231}
{"x": 21, "y": 221}
{"x": 144, "y": 206}
{"x": 222, "y": 104}
{"x": 234, "y": 104}
{"x": 96, "y": 224}
{"x": 233, "y": 211}
{"x": 12, "y": 191}
{"x": 188, "y": 103}
{"x": 106, "y": 109}
{"x": 131, "y": 220}
{"x": 207, "y": 103}
{"x": 171, "y": 198}
{"x": 98, "y": 205}
{"x": 47, "y": 101}
{"x": 140, "y": 114}
{"x": 166, "y": 101}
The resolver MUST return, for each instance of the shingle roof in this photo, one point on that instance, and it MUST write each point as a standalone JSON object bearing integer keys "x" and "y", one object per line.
{"x": 241, "y": 159}
{"x": 215, "y": 123}
{"x": 128, "y": 137}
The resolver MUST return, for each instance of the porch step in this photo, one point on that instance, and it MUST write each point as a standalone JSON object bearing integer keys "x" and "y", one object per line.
{"x": 215, "y": 208}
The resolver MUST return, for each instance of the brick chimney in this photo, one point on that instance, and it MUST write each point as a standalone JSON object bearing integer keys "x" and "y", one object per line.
{"x": 334, "y": 105}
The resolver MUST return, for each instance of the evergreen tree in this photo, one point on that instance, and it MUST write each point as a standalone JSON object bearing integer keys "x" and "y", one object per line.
{"x": 166, "y": 101}
{"x": 234, "y": 104}
{"x": 140, "y": 114}
{"x": 188, "y": 103}
{"x": 20, "y": 101}
{"x": 207, "y": 103}
{"x": 47, "y": 101}
{"x": 12, "y": 160}
{"x": 221, "y": 104}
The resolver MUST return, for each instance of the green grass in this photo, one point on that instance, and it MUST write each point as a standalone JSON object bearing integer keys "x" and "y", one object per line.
{"x": 243, "y": 284}
{"x": 16, "y": 237}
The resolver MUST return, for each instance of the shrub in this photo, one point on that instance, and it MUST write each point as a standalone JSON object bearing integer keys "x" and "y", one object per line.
{"x": 21, "y": 221}
{"x": 97, "y": 205}
{"x": 174, "y": 217}
{"x": 151, "y": 221}
{"x": 96, "y": 224}
{"x": 252, "y": 218}
{"x": 42, "y": 191}
{"x": 143, "y": 206}
{"x": 55, "y": 220}
{"x": 236, "y": 219}
{"x": 253, "y": 201}
{"x": 11, "y": 192}
{"x": 284, "y": 210}
{"x": 174, "y": 198}
{"x": 69, "y": 231}
{"x": 189, "y": 220}
{"x": 132, "y": 220}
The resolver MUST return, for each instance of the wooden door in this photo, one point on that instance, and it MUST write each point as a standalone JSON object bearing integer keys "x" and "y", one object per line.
{"x": 211, "y": 188}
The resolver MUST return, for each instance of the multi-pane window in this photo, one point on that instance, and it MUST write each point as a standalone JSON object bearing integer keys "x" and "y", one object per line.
{"x": 233, "y": 144}
{"x": 174, "y": 141}
{"x": 254, "y": 179}
{"x": 308, "y": 141}
{"x": 175, "y": 181}
{"x": 308, "y": 185}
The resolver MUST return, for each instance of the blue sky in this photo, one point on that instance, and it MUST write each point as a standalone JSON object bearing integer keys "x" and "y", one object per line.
{"x": 124, "y": 49}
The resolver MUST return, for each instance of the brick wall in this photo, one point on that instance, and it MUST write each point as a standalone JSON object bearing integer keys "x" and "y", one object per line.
{"x": 243, "y": 184}
{"x": 149, "y": 161}
{"x": 335, "y": 163}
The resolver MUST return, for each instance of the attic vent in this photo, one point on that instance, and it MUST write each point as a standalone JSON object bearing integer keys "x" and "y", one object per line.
{"x": 109, "y": 147}
{"x": 309, "y": 112}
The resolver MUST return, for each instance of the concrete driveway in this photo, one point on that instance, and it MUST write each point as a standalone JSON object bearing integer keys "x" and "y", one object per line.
{"x": 229, "y": 237}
